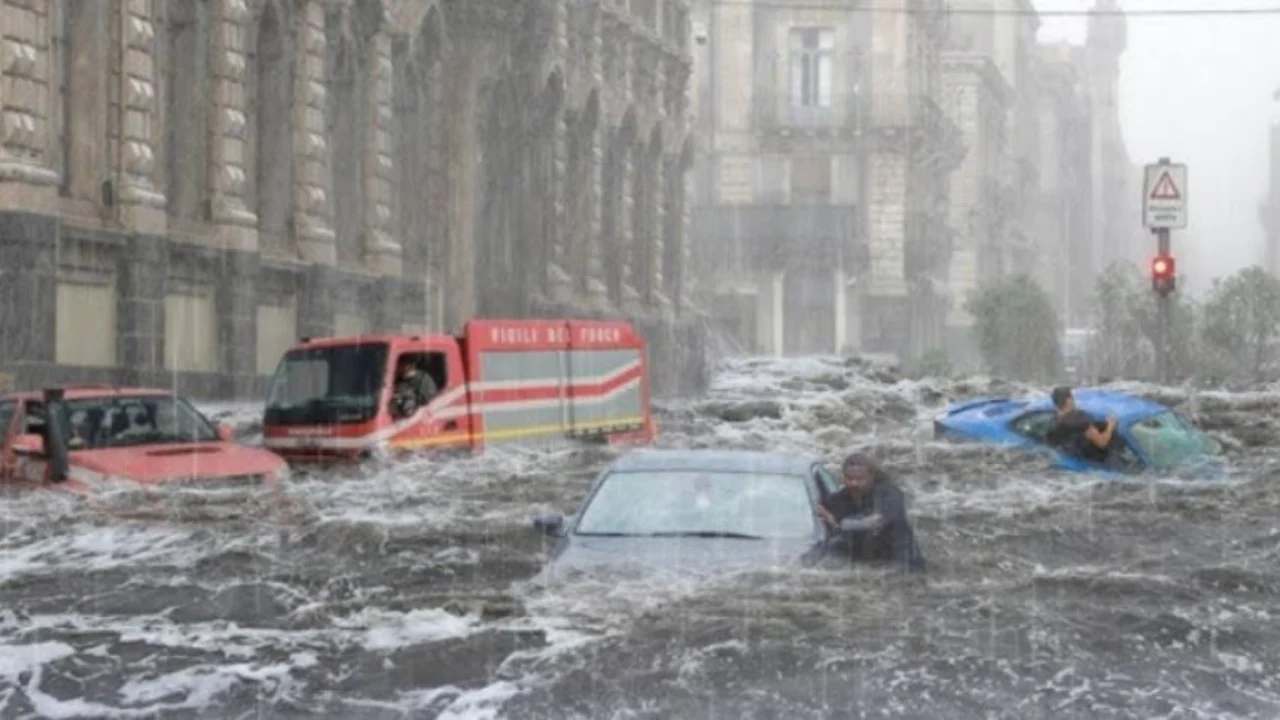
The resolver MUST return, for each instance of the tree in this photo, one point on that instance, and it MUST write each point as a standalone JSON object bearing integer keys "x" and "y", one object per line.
{"x": 1127, "y": 315}
{"x": 933, "y": 363}
{"x": 1115, "y": 295}
{"x": 1242, "y": 324}
{"x": 1016, "y": 329}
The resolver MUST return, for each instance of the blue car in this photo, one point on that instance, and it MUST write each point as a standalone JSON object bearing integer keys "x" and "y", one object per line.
{"x": 681, "y": 510}
{"x": 1149, "y": 436}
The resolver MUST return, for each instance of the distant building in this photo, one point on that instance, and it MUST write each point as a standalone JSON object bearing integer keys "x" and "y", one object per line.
{"x": 1064, "y": 226}
{"x": 988, "y": 67}
{"x": 820, "y": 200}
{"x": 1118, "y": 235}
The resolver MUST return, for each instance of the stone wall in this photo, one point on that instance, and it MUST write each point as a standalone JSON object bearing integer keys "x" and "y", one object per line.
{"x": 386, "y": 165}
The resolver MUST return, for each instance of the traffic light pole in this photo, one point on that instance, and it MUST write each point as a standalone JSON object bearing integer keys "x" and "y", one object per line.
{"x": 1162, "y": 316}
{"x": 1164, "y": 206}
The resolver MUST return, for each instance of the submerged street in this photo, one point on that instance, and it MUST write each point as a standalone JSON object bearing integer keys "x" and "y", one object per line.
{"x": 409, "y": 591}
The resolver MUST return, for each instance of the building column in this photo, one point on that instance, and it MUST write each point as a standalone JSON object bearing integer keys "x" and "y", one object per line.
{"x": 28, "y": 286}
{"x": 27, "y": 180}
{"x": 141, "y": 206}
{"x": 559, "y": 282}
{"x": 238, "y": 315}
{"x": 853, "y": 319}
{"x": 383, "y": 249}
{"x": 388, "y": 305}
{"x": 316, "y": 239}
{"x": 140, "y": 312}
{"x": 594, "y": 286}
{"x": 237, "y": 226}
{"x": 317, "y": 304}
{"x": 770, "y": 313}
{"x": 679, "y": 221}
{"x": 624, "y": 294}
{"x": 459, "y": 140}
{"x": 841, "y": 311}
{"x": 779, "y": 316}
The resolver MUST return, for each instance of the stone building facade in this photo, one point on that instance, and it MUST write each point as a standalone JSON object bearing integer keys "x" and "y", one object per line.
{"x": 1090, "y": 189}
{"x": 978, "y": 98}
{"x": 187, "y": 187}
{"x": 913, "y": 148}
{"x": 989, "y": 65}
{"x": 779, "y": 191}
{"x": 821, "y": 190}
{"x": 1118, "y": 234}
{"x": 1066, "y": 185}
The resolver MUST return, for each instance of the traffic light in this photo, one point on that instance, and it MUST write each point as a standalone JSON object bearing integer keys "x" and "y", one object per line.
{"x": 1163, "y": 269}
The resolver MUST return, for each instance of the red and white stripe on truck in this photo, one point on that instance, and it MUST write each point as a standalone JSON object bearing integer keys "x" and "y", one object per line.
{"x": 521, "y": 380}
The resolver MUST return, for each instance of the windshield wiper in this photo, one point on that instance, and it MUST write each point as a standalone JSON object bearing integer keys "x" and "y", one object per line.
{"x": 607, "y": 534}
{"x": 707, "y": 534}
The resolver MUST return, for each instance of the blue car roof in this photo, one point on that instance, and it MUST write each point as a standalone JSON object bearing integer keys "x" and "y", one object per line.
{"x": 744, "y": 461}
{"x": 1095, "y": 402}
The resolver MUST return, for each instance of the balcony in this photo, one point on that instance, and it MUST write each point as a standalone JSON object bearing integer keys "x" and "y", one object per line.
{"x": 783, "y": 126}
{"x": 768, "y": 237}
{"x": 932, "y": 131}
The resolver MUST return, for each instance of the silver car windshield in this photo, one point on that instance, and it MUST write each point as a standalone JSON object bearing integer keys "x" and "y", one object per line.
{"x": 1169, "y": 440}
{"x": 698, "y": 503}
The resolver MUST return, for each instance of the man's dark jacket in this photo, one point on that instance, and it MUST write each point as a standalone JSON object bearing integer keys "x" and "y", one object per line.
{"x": 893, "y": 542}
{"x": 1068, "y": 434}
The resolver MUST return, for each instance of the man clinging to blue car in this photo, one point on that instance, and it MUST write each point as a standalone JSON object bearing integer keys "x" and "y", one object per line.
{"x": 1076, "y": 433}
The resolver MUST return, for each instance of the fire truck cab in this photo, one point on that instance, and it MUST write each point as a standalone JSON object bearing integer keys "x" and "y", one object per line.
{"x": 500, "y": 380}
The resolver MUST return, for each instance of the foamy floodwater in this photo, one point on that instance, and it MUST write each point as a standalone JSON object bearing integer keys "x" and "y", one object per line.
{"x": 411, "y": 590}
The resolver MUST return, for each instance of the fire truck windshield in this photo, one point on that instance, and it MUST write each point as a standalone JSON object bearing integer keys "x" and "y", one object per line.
{"x": 327, "y": 385}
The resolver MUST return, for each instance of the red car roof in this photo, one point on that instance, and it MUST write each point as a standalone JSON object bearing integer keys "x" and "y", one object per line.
{"x": 82, "y": 392}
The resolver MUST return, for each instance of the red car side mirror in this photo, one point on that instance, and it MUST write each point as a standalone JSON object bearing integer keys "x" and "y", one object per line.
{"x": 31, "y": 445}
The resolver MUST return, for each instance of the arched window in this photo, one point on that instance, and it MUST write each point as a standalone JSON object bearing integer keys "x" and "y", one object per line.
{"x": 273, "y": 128}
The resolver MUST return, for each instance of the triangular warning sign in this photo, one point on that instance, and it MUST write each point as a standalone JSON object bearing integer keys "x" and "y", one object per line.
{"x": 1165, "y": 189}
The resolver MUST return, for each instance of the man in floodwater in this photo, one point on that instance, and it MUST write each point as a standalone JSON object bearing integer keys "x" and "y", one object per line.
{"x": 1075, "y": 432}
{"x": 414, "y": 388}
{"x": 868, "y": 518}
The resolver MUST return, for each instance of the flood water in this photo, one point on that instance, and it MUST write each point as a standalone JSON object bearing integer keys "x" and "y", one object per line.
{"x": 409, "y": 591}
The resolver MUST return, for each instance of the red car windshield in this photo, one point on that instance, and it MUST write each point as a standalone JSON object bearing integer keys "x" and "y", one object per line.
{"x": 115, "y": 421}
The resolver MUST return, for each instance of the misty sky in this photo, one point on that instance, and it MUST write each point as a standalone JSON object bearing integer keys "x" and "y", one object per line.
{"x": 1199, "y": 90}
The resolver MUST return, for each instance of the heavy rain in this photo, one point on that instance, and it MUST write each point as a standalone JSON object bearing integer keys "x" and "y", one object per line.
{"x": 308, "y": 309}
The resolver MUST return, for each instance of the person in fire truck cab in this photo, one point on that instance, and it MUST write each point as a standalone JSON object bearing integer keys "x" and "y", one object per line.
{"x": 414, "y": 388}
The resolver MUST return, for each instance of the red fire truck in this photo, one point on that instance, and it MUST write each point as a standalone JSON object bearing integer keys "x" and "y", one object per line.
{"x": 500, "y": 380}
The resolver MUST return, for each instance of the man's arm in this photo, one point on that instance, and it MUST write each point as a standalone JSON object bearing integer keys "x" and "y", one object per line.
{"x": 1101, "y": 438}
{"x": 891, "y": 509}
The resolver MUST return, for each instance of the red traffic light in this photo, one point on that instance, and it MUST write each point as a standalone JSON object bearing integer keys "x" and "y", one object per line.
{"x": 1163, "y": 268}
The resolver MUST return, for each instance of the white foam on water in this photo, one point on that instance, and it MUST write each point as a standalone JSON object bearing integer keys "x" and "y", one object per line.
{"x": 828, "y": 407}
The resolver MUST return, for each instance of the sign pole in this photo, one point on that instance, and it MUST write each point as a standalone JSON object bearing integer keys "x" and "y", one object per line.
{"x": 1163, "y": 316}
{"x": 1164, "y": 206}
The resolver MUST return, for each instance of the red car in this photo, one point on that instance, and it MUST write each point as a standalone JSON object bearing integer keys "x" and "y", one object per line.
{"x": 107, "y": 434}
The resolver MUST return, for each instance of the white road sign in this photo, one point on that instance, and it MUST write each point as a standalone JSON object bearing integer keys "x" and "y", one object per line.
{"x": 1164, "y": 196}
